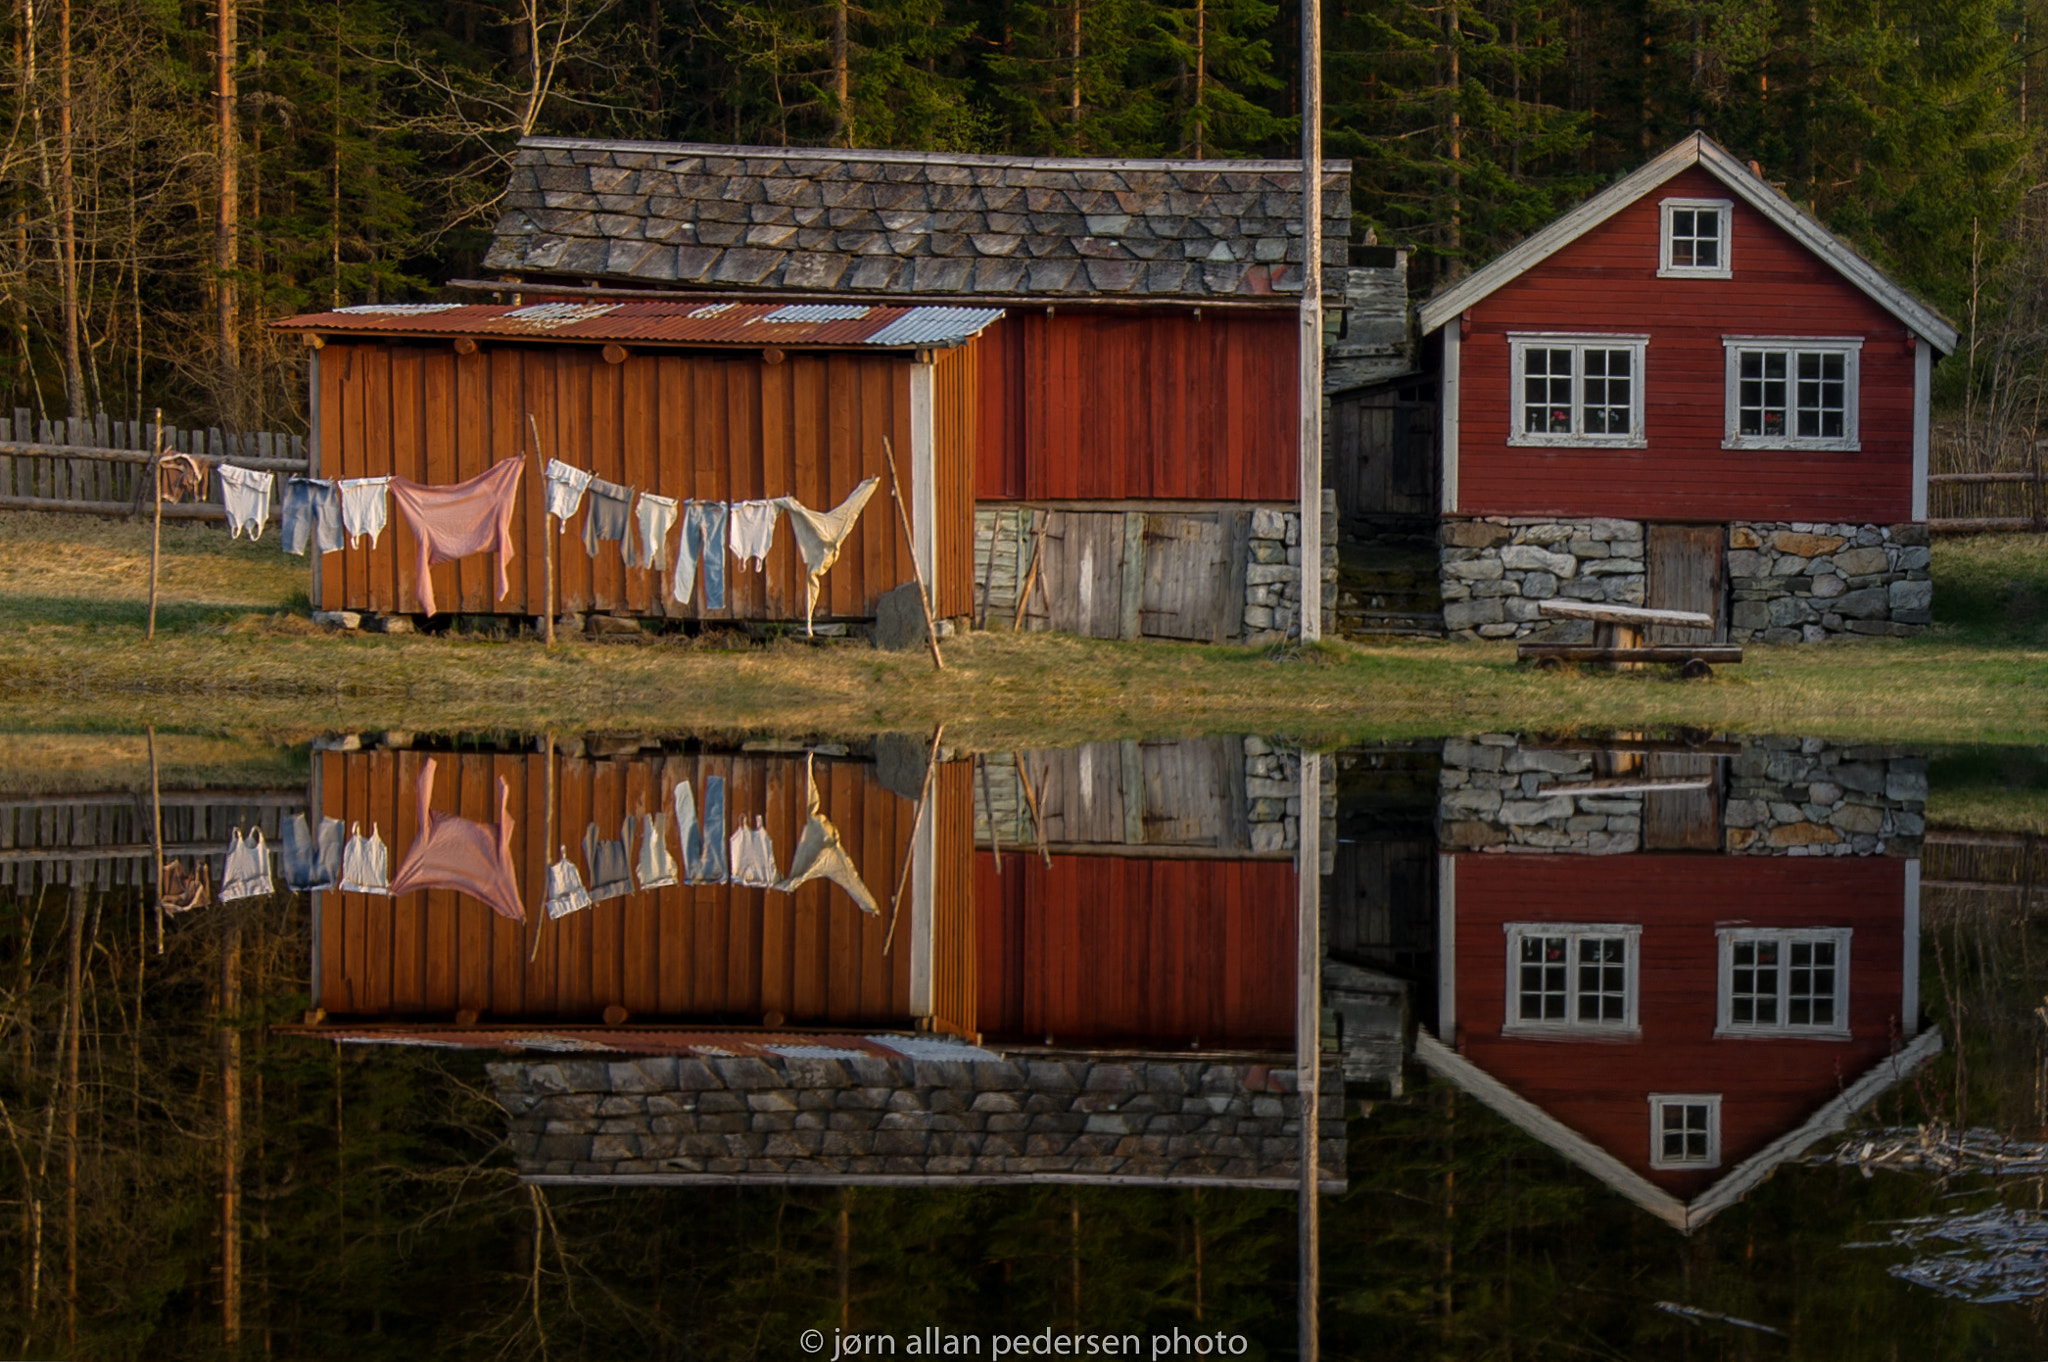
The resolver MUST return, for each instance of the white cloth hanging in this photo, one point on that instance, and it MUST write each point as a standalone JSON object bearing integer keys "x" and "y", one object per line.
{"x": 246, "y": 493}
{"x": 657, "y": 867}
{"x": 565, "y": 488}
{"x": 247, "y": 872}
{"x": 820, "y": 855}
{"x": 363, "y": 509}
{"x": 820, "y": 535}
{"x": 656, "y": 517}
{"x": 566, "y": 894}
{"x": 751, "y": 854}
{"x": 752, "y": 532}
{"x": 365, "y": 863}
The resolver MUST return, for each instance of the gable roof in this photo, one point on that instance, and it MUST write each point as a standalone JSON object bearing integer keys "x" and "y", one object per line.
{"x": 665, "y": 321}
{"x": 1685, "y": 1216}
{"x": 1703, "y": 151}
{"x": 920, "y": 223}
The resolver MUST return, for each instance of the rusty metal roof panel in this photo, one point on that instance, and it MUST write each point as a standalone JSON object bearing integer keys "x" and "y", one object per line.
{"x": 671, "y": 322}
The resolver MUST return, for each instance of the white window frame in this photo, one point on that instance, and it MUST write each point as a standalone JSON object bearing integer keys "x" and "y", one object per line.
{"x": 1712, "y": 1102}
{"x": 1667, "y": 270}
{"x": 1849, "y": 347}
{"x": 1521, "y": 342}
{"x": 1724, "y": 1025}
{"x": 1629, "y": 1028}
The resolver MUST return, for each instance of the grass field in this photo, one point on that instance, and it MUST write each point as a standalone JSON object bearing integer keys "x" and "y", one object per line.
{"x": 235, "y": 651}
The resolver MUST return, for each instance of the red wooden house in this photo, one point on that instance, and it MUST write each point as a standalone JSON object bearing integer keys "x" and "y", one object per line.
{"x": 1676, "y": 1024}
{"x": 1686, "y": 392}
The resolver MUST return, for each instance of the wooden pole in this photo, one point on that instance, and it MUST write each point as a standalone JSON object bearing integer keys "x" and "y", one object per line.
{"x": 156, "y": 541}
{"x": 231, "y": 1130}
{"x": 1310, "y": 358}
{"x": 547, "y": 541}
{"x": 931, "y": 628}
{"x": 988, "y": 803}
{"x": 931, "y": 764}
{"x": 1031, "y": 799}
{"x": 74, "y": 1016}
{"x": 156, "y": 802}
{"x": 1308, "y": 1043}
{"x": 1031, "y": 579}
{"x": 547, "y": 840}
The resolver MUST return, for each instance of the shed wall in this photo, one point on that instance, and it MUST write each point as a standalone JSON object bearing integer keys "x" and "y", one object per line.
{"x": 683, "y": 424}
{"x": 1606, "y": 282}
{"x": 1096, "y": 406}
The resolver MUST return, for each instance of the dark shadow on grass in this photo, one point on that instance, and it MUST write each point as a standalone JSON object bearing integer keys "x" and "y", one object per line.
{"x": 85, "y": 612}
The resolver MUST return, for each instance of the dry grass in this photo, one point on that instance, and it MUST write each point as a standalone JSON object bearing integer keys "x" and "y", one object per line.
{"x": 227, "y": 657}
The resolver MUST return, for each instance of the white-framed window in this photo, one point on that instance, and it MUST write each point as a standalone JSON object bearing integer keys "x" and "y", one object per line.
{"x": 1572, "y": 977}
{"x": 1573, "y": 389}
{"x": 1685, "y": 1130}
{"x": 1792, "y": 392}
{"x": 1778, "y": 982}
{"x": 1694, "y": 240}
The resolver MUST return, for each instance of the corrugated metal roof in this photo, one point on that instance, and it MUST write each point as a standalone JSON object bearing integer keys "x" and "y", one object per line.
{"x": 822, "y": 325}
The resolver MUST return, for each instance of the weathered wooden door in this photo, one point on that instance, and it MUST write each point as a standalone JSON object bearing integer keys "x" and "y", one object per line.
{"x": 1191, "y": 563}
{"x": 1383, "y": 447}
{"x": 1083, "y": 571}
{"x": 1682, "y": 820}
{"x": 1687, "y": 570}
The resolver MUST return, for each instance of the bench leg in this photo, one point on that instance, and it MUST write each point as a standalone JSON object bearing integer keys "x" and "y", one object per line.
{"x": 1610, "y": 635}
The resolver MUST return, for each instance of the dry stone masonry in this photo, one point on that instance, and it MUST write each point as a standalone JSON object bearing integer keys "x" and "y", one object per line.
{"x": 1495, "y": 570}
{"x": 842, "y": 1115}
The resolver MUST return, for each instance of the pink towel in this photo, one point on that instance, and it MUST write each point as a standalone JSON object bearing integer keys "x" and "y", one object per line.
{"x": 454, "y": 522}
{"x": 458, "y": 853}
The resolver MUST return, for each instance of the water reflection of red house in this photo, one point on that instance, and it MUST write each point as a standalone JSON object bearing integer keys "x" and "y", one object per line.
{"x": 1719, "y": 1013}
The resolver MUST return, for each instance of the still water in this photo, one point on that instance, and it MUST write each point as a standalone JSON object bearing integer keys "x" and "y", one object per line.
{"x": 647, "y": 1045}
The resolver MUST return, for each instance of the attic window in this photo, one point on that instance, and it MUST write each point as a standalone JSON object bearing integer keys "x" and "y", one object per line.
{"x": 1685, "y": 1130}
{"x": 1694, "y": 239}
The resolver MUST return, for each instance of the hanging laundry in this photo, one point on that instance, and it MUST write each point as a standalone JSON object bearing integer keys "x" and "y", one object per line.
{"x": 459, "y": 853}
{"x": 610, "y": 507}
{"x": 752, "y": 532}
{"x": 820, "y": 536}
{"x": 752, "y": 853}
{"x": 364, "y": 863}
{"x": 657, "y": 516}
{"x": 247, "y": 871}
{"x": 566, "y": 894}
{"x": 362, "y": 509}
{"x": 610, "y": 862}
{"x": 703, "y": 540}
{"x": 657, "y": 867}
{"x": 179, "y": 890}
{"x": 311, "y": 511}
{"x": 309, "y": 861}
{"x": 703, "y": 844}
{"x": 820, "y": 855}
{"x": 454, "y": 522}
{"x": 565, "y": 488}
{"x": 181, "y": 476}
{"x": 246, "y": 493}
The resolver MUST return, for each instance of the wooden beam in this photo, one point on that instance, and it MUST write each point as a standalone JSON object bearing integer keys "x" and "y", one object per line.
{"x": 1980, "y": 525}
{"x": 1623, "y": 614}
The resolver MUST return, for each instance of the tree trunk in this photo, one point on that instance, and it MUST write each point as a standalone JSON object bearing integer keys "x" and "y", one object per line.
{"x": 67, "y": 222}
{"x": 230, "y": 1131}
{"x": 73, "y": 991}
{"x": 841, "y": 85}
{"x": 227, "y": 220}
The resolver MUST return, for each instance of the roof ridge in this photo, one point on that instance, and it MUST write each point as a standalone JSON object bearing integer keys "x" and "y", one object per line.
{"x": 895, "y": 156}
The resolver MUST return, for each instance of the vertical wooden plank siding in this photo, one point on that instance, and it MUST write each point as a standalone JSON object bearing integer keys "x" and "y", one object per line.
{"x": 717, "y": 953}
{"x": 1606, "y": 282}
{"x": 688, "y": 425}
{"x": 956, "y": 382}
{"x": 1163, "y": 405}
{"x": 1135, "y": 950}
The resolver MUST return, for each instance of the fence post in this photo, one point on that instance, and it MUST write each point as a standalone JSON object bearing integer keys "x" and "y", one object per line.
{"x": 156, "y": 539}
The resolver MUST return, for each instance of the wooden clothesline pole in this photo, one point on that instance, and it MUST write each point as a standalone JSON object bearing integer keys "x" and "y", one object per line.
{"x": 540, "y": 920}
{"x": 156, "y": 540}
{"x": 1031, "y": 799}
{"x": 931, "y": 764}
{"x": 931, "y": 628}
{"x": 156, "y": 802}
{"x": 547, "y": 541}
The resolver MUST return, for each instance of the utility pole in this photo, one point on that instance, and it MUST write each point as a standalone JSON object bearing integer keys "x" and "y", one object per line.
{"x": 1308, "y": 1041}
{"x": 1311, "y": 358}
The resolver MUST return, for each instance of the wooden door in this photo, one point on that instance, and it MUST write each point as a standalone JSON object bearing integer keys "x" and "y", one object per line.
{"x": 1687, "y": 569}
{"x": 1383, "y": 451}
{"x": 1682, "y": 820}
{"x": 1194, "y": 577}
{"x": 1081, "y": 573}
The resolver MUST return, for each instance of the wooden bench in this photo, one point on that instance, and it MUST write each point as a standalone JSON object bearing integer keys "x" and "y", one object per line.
{"x": 1618, "y": 638}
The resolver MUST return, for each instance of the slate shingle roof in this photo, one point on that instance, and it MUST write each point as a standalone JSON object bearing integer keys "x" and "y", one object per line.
{"x": 917, "y": 223}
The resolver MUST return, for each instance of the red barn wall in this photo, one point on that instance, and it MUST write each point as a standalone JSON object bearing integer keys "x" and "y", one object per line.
{"x": 1141, "y": 405}
{"x": 1117, "y": 950}
{"x": 1601, "y": 1088}
{"x": 1606, "y": 281}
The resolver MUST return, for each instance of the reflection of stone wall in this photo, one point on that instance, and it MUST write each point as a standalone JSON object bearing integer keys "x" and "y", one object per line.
{"x": 1802, "y": 797}
{"x": 1496, "y": 794}
{"x": 1495, "y": 570}
{"x": 857, "y": 1115}
{"x": 1794, "y": 583}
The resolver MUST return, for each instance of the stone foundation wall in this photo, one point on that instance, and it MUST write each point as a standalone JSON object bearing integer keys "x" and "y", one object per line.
{"x": 1495, "y": 570}
{"x": 1789, "y": 582}
{"x": 1796, "y": 582}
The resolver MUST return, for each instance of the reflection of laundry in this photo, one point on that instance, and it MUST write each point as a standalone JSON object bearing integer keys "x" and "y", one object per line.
{"x": 179, "y": 890}
{"x": 607, "y": 517}
{"x": 468, "y": 517}
{"x": 819, "y": 854}
{"x": 752, "y": 532}
{"x": 703, "y": 540}
{"x": 753, "y": 857}
{"x": 565, "y": 888}
{"x": 246, "y": 493}
{"x": 657, "y": 516}
{"x": 310, "y": 862}
{"x": 364, "y": 863}
{"x": 703, "y": 845}
{"x": 247, "y": 871}
{"x": 657, "y": 867}
{"x": 453, "y": 852}
{"x": 363, "y": 509}
{"x": 821, "y": 534}
{"x": 311, "y": 512}
{"x": 611, "y": 863}
{"x": 565, "y": 488}
{"x": 180, "y": 476}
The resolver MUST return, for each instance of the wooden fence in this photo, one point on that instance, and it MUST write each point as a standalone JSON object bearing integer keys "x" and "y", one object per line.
{"x": 1975, "y": 488}
{"x": 103, "y": 840}
{"x": 96, "y": 467}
